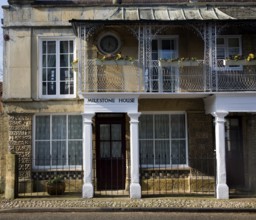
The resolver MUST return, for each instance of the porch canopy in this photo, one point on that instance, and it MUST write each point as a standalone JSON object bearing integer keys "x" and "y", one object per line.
{"x": 151, "y": 13}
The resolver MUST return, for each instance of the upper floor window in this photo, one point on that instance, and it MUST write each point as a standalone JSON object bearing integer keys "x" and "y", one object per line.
{"x": 165, "y": 48}
{"x": 57, "y": 79}
{"x": 228, "y": 46}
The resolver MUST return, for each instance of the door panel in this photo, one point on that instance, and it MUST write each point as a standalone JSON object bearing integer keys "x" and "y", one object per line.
{"x": 234, "y": 152}
{"x": 110, "y": 145}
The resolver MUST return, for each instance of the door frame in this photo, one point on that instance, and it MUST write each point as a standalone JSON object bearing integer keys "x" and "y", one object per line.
{"x": 109, "y": 118}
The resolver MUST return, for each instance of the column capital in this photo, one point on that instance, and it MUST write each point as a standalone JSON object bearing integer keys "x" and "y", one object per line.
{"x": 134, "y": 116}
{"x": 88, "y": 117}
{"x": 220, "y": 116}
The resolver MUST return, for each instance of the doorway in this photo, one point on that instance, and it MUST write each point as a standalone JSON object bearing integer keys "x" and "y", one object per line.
{"x": 110, "y": 151}
{"x": 234, "y": 152}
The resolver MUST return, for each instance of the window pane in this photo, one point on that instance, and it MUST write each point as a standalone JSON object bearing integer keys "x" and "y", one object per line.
{"x": 75, "y": 149}
{"x": 64, "y": 61}
{"x": 105, "y": 149}
{"x": 221, "y": 53}
{"x": 220, "y": 41}
{"x": 64, "y": 74}
{"x": 42, "y": 153}
{"x": 51, "y": 61}
{"x": 116, "y": 149}
{"x": 162, "y": 126}
{"x": 116, "y": 132}
{"x": 51, "y": 47}
{"x": 64, "y": 88}
{"x": 59, "y": 153}
{"x": 178, "y": 152}
{"x": 146, "y": 152}
{"x": 233, "y": 42}
{"x": 59, "y": 127}
{"x": 51, "y": 88}
{"x": 162, "y": 152}
{"x": 51, "y": 76}
{"x": 64, "y": 47}
{"x": 104, "y": 132}
{"x": 178, "y": 126}
{"x": 75, "y": 127}
{"x": 42, "y": 127}
{"x": 146, "y": 126}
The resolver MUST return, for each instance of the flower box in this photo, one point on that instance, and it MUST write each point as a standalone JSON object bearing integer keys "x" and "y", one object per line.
{"x": 239, "y": 62}
{"x": 178, "y": 63}
{"x": 113, "y": 62}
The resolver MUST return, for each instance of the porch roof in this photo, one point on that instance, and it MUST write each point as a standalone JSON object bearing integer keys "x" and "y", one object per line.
{"x": 152, "y": 14}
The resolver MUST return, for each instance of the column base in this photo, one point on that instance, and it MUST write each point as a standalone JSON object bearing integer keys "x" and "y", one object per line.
{"x": 88, "y": 190}
{"x": 135, "y": 191}
{"x": 222, "y": 191}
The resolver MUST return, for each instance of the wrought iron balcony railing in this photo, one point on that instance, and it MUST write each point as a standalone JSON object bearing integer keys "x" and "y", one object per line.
{"x": 125, "y": 76}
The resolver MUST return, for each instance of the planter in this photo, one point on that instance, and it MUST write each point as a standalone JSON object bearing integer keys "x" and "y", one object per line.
{"x": 56, "y": 189}
{"x": 239, "y": 63}
{"x": 164, "y": 63}
{"x": 75, "y": 66}
{"x": 113, "y": 62}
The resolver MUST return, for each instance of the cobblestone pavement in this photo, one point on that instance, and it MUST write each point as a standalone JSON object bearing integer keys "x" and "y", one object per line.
{"x": 159, "y": 202}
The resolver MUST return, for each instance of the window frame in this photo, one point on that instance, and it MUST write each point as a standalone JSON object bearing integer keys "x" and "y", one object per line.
{"x": 55, "y": 167}
{"x": 160, "y": 38}
{"x": 226, "y": 48}
{"x": 40, "y": 81}
{"x": 170, "y": 165}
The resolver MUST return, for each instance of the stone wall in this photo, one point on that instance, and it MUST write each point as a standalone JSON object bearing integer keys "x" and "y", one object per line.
{"x": 201, "y": 143}
{"x": 3, "y": 148}
{"x": 20, "y": 143}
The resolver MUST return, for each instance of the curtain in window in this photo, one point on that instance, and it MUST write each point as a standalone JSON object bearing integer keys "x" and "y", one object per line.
{"x": 42, "y": 143}
{"x": 162, "y": 139}
{"x": 58, "y": 140}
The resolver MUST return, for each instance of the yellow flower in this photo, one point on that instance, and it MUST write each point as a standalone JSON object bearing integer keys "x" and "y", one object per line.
{"x": 250, "y": 57}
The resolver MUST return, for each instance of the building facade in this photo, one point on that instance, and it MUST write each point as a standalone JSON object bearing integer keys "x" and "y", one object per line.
{"x": 132, "y": 96}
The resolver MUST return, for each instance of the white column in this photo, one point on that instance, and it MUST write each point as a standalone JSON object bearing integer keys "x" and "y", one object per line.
{"x": 87, "y": 155}
{"x": 222, "y": 189}
{"x": 135, "y": 188}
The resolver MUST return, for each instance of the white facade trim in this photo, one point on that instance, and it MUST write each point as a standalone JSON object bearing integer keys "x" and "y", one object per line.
{"x": 235, "y": 102}
{"x": 135, "y": 188}
{"x": 87, "y": 156}
{"x": 110, "y": 103}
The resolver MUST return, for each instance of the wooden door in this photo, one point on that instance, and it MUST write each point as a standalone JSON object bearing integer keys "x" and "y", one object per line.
{"x": 234, "y": 152}
{"x": 110, "y": 150}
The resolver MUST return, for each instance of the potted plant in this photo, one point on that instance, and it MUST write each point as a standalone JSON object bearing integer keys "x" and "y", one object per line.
{"x": 179, "y": 62}
{"x": 56, "y": 186}
{"x": 115, "y": 59}
{"x": 238, "y": 60}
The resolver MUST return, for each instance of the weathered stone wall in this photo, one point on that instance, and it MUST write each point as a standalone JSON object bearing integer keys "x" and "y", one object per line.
{"x": 20, "y": 142}
{"x": 201, "y": 144}
{"x": 3, "y": 148}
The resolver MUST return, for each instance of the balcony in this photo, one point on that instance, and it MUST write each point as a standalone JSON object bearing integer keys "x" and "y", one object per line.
{"x": 125, "y": 77}
{"x": 111, "y": 76}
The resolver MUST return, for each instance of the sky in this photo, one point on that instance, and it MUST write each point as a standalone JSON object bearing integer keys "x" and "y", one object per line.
{"x": 2, "y": 2}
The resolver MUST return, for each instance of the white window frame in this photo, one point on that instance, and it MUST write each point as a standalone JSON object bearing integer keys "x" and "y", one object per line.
{"x": 160, "y": 81}
{"x": 57, "y": 95}
{"x": 55, "y": 167}
{"x": 226, "y": 48}
{"x": 175, "y": 166}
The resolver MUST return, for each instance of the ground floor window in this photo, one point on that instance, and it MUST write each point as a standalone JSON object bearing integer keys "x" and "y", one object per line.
{"x": 163, "y": 139}
{"x": 58, "y": 141}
